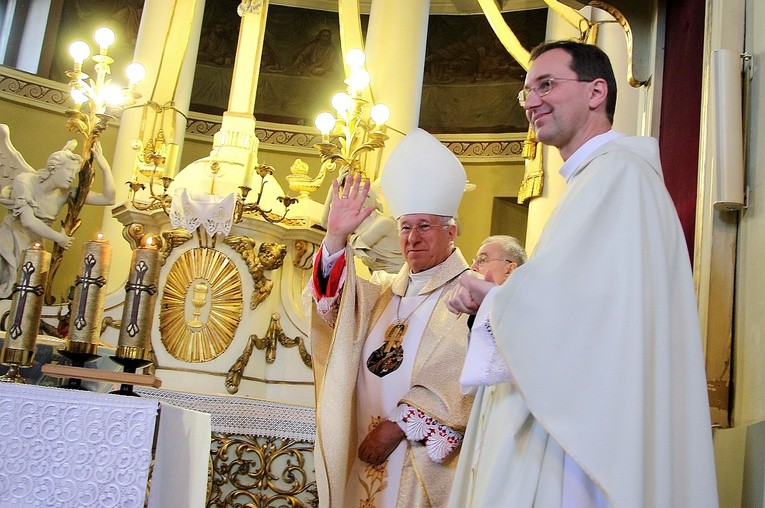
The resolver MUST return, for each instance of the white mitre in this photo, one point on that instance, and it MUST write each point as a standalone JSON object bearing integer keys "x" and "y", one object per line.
{"x": 422, "y": 176}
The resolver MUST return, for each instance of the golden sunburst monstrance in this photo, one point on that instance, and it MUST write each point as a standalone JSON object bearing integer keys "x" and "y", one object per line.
{"x": 218, "y": 324}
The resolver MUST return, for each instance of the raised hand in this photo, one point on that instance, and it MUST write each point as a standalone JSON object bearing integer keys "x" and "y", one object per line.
{"x": 346, "y": 212}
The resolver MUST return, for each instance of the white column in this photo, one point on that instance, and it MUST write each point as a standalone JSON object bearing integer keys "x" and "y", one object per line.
{"x": 167, "y": 46}
{"x": 395, "y": 50}
{"x": 541, "y": 208}
{"x": 629, "y": 118}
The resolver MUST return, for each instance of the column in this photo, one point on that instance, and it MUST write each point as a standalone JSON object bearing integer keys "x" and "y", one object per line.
{"x": 541, "y": 208}
{"x": 167, "y": 46}
{"x": 395, "y": 52}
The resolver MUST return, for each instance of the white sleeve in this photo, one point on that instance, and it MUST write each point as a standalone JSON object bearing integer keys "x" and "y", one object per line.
{"x": 483, "y": 363}
{"x": 439, "y": 439}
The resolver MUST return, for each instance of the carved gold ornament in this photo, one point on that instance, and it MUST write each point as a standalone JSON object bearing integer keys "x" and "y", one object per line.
{"x": 275, "y": 334}
{"x": 188, "y": 332}
{"x": 270, "y": 256}
{"x": 261, "y": 471}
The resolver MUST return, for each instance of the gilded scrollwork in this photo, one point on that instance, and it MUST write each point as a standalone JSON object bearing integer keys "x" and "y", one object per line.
{"x": 133, "y": 234}
{"x": 303, "y": 256}
{"x": 270, "y": 256}
{"x": 261, "y": 471}
{"x": 172, "y": 239}
{"x": 274, "y": 335}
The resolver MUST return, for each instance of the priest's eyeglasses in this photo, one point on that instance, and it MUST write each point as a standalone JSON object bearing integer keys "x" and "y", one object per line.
{"x": 543, "y": 88}
{"x": 482, "y": 260}
{"x": 423, "y": 229}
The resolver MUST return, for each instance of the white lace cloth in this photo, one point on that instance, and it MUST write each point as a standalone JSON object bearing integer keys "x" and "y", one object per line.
{"x": 73, "y": 448}
{"x": 239, "y": 415}
{"x": 214, "y": 213}
{"x": 484, "y": 364}
{"x": 440, "y": 441}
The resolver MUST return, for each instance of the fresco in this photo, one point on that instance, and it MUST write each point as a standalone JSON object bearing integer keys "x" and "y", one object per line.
{"x": 470, "y": 81}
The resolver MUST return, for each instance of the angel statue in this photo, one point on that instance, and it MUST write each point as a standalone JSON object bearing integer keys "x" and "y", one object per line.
{"x": 35, "y": 197}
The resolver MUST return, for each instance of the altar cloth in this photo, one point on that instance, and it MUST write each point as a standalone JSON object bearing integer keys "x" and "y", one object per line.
{"x": 74, "y": 448}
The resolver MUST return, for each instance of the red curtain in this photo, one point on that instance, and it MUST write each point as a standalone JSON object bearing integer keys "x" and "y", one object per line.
{"x": 681, "y": 107}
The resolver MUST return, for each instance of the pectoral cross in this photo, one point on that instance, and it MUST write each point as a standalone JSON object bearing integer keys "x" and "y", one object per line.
{"x": 86, "y": 280}
{"x": 24, "y": 289}
{"x": 394, "y": 335}
{"x": 138, "y": 287}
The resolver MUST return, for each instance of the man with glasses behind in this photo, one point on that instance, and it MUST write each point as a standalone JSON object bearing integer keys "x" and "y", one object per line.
{"x": 594, "y": 373}
{"x": 498, "y": 256}
{"x": 387, "y": 353}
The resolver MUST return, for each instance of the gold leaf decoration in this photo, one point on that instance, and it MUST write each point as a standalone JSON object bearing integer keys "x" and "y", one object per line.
{"x": 200, "y": 344}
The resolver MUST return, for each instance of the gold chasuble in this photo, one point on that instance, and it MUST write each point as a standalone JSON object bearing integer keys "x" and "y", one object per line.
{"x": 434, "y": 388}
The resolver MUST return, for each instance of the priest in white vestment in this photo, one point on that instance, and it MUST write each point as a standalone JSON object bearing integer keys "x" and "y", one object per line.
{"x": 590, "y": 354}
{"x": 387, "y": 353}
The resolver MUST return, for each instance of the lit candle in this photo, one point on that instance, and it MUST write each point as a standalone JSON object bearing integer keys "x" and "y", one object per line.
{"x": 249, "y": 168}
{"x": 171, "y": 161}
{"x": 89, "y": 293}
{"x": 26, "y": 307}
{"x": 140, "y": 295}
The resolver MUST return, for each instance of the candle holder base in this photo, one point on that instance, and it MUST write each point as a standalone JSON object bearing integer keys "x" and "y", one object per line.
{"x": 76, "y": 359}
{"x": 13, "y": 375}
{"x": 129, "y": 367}
{"x": 15, "y": 359}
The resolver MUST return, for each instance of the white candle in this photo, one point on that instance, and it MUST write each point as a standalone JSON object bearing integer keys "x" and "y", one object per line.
{"x": 249, "y": 168}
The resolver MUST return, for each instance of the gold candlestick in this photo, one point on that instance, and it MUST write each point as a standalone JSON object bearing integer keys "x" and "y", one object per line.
{"x": 26, "y": 308}
{"x": 89, "y": 294}
{"x": 140, "y": 295}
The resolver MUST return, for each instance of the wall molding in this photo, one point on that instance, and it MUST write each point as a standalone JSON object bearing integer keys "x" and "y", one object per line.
{"x": 34, "y": 91}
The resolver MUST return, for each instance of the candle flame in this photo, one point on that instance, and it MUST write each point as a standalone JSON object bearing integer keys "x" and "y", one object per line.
{"x": 37, "y": 245}
{"x": 150, "y": 242}
{"x": 100, "y": 236}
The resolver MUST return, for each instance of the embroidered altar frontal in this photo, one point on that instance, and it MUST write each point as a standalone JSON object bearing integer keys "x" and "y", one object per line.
{"x": 74, "y": 448}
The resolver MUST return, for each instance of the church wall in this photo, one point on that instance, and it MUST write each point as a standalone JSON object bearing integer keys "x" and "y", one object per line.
{"x": 749, "y": 336}
{"x": 750, "y": 279}
{"x": 37, "y": 132}
{"x": 492, "y": 179}
{"x": 738, "y": 449}
{"x": 475, "y": 212}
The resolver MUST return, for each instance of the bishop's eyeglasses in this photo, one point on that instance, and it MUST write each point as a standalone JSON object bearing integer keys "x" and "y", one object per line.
{"x": 482, "y": 260}
{"x": 423, "y": 228}
{"x": 543, "y": 88}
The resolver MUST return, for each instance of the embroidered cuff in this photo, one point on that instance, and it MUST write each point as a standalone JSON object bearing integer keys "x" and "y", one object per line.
{"x": 439, "y": 439}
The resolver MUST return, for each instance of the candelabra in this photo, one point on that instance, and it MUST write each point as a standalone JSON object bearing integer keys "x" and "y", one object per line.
{"x": 254, "y": 207}
{"x": 163, "y": 201}
{"x": 359, "y": 124}
{"x": 155, "y": 158}
{"x": 95, "y": 103}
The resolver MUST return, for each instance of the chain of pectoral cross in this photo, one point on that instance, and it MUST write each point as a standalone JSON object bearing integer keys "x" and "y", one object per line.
{"x": 23, "y": 288}
{"x": 138, "y": 287}
{"x": 86, "y": 280}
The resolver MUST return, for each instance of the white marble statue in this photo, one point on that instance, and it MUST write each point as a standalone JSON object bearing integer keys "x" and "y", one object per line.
{"x": 35, "y": 197}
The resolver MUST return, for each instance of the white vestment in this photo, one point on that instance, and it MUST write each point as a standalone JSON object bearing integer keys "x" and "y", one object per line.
{"x": 600, "y": 336}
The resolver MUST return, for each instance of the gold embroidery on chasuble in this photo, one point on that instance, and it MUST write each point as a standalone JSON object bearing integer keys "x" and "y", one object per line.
{"x": 374, "y": 479}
